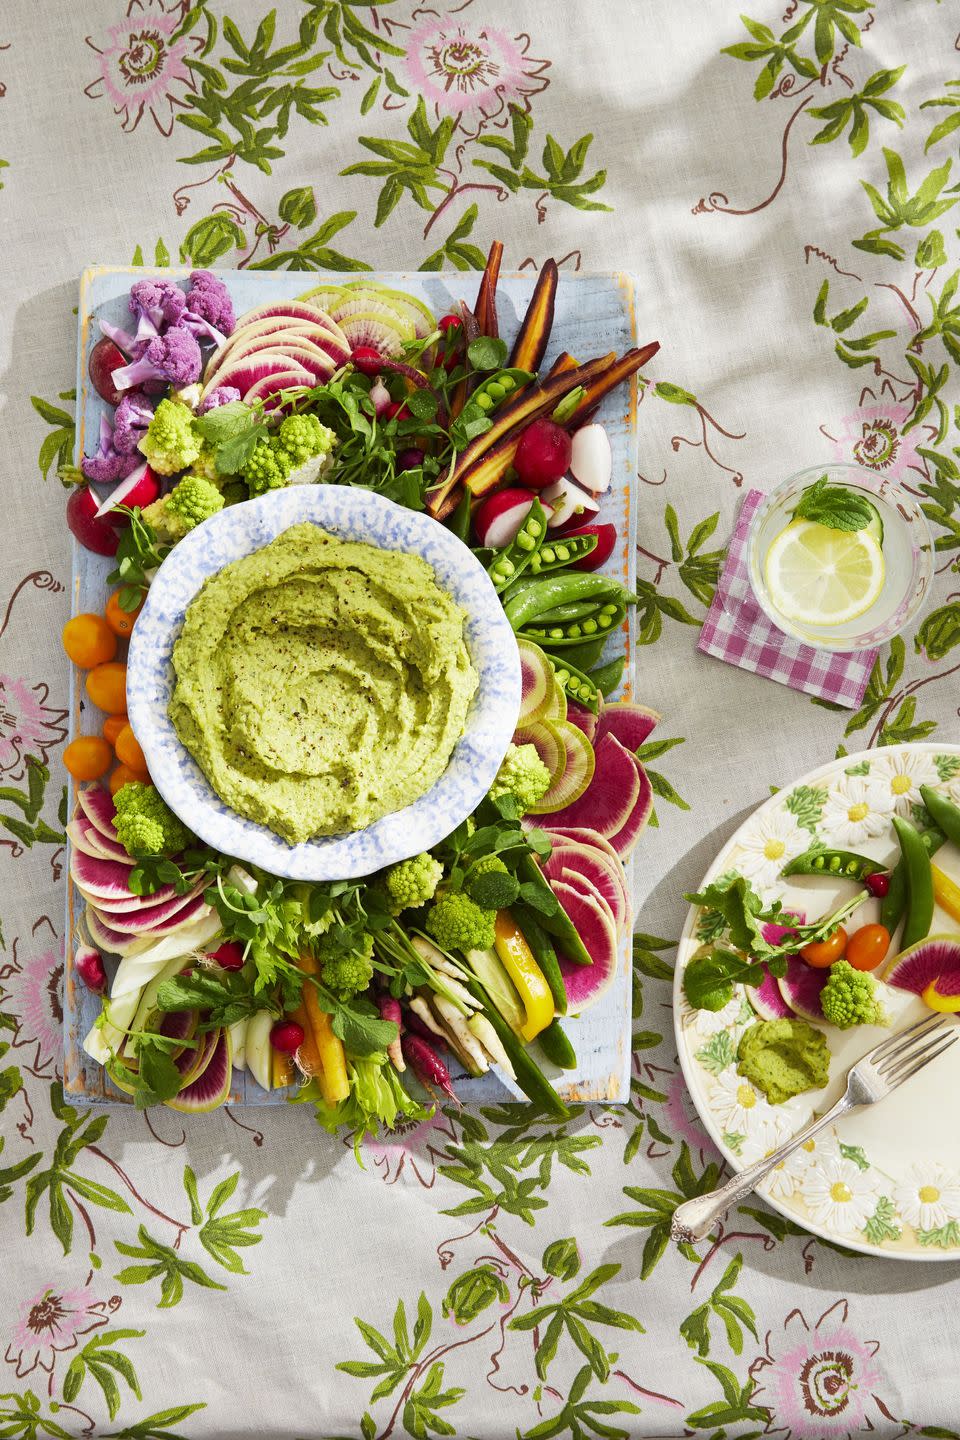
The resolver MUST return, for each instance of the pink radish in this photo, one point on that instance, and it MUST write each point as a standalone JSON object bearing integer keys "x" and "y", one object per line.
{"x": 88, "y": 964}
{"x": 427, "y": 1066}
{"x": 500, "y": 516}
{"x": 567, "y": 502}
{"x": 94, "y": 532}
{"x": 591, "y": 460}
{"x": 380, "y": 398}
{"x": 543, "y": 453}
{"x": 601, "y": 552}
{"x": 141, "y": 488}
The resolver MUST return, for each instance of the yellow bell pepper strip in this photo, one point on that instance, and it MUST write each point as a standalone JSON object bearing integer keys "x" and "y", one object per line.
{"x": 333, "y": 1077}
{"x": 946, "y": 892}
{"x": 946, "y": 1004}
{"x": 518, "y": 961}
{"x": 281, "y": 1070}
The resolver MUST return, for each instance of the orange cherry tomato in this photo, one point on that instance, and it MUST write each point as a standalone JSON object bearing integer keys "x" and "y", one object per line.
{"x": 112, "y": 726}
{"x": 123, "y": 775}
{"x": 88, "y": 757}
{"x": 120, "y": 620}
{"x": 868, "y": 946}
{"x": 821, "y": 953}
{"x": 89, "y": 641}
{"x": 107, "y": 687}
{"x": 128, "y": 751}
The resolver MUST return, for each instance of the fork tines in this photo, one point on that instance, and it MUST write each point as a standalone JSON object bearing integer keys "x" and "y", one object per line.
{"x": 903, "y": 1054}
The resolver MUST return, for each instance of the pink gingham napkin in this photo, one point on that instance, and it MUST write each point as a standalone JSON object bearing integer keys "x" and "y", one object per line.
{"x": 736, "y": 630}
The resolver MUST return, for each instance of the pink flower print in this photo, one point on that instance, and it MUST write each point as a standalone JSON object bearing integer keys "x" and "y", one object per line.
{"x": 471, "y": 73}
{"x": 140, "y": 65}
{"x": 873, "y": 437}
{"x": 53, "y": 1322}
{"x": 414, "y": 1143}
{"x": 818, "y": 1382}
{"x": 31, "y": 994}
{"x": 28, "y": 726}
{"x": 681, "y": 1116}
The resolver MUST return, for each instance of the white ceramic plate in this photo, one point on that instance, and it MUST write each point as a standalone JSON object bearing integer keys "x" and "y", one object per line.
{"x": 886, "y": 1179}
{"x": 352, "y": 515}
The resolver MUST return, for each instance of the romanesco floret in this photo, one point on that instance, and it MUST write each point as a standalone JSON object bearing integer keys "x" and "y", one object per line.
{"x": 304, "y": 438}
{"x": 413, "y": 882}
{"x": 850, "y": 998}
{"x": 206, "y": 467}
{"x": 523, "y": 775}
{"x": 456, "y": 923}
{"x": 486, "y": 864}
{"x": 267, "y": 468}
{"x": 171, "y": 443}
{"x": 345, "y": 972}
{"x": 145, "y": 824}
{"x": 188, "y": 504}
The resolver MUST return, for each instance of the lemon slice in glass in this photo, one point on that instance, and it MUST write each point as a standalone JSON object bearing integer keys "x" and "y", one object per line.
{"x": 819, "y": 576}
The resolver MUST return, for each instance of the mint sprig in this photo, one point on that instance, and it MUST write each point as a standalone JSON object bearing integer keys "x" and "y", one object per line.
{"x": 834, "y": 506}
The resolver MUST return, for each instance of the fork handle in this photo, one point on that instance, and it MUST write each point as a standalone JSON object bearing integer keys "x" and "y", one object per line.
{"x": 694, "y": 1219}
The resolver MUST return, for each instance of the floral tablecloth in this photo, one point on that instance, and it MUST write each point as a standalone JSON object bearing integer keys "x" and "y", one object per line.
{"x": 785, "y": 185}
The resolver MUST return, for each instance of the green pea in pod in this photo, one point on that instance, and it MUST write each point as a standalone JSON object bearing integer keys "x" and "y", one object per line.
{"x": 562, "y": 1259}
{"x": 940, "y": 632}
{"x": 474, "y": 1292}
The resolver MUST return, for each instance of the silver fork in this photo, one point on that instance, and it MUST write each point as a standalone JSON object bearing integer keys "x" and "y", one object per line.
{"x": 872, "y": 1078}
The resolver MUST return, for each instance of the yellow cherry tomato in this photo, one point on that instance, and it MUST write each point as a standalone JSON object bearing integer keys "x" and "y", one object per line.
{"x": 821, "y": 953}
{"x": 111, "y": 728}
{"x": 88, "y": 757}
{"x": 128, "y": 750}
{"x": 89, "y": 641}
{"x": 119, "y": 620}
{"x": 123, "y": 775}
{"x": 107, "y": 687}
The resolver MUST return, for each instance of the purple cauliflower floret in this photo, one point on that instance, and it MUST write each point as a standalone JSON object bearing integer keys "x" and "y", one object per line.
{"x": 130, "y": 421}
{"x": 108, "y": 465}
{"x": 173, "y": 357}
{"x": 223, "y": 395}
{"x": 209, "y": 307}
{"x": 157, "y": 305}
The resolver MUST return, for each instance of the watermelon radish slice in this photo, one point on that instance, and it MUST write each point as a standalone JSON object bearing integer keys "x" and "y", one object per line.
{"x": 104, "y": 937}
{"x": 549, "y": 744}
{"x": 585, "y": 984}
{"x": 541, "y": 696}
{"x": 584, "y": 719}
{"x": 577, "y": 773}
{"x": 591, "y": 868}
{"x": 628, "y": 835}
{"x": 930, "y": 959}
{"x": 578, "y": 881}
{"x": 630, "y": 724}
{"x": 563, "y": 835}
{"x": 98, "y": 807}
{"x": 157, "y": 920}
{"x": 84, "y": 837}
{"x": 801, "y": 987}
{"x": 767, "y": 999}
{"x": 208, "y": 1089}
{"x": 608, "y": 802}
{"x": 408, "y": 307}
{"x": 109, "y": 849}
{"x": 291, "y": 312}
{"x": 106, "y": 880}
{"x": 192, "y": 1062}
{"x": 263, "y": 334}
{"x": 302, "y": 353}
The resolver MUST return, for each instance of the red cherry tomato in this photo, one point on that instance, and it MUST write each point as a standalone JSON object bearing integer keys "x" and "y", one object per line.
{"x": 822, "y": 953}
{"x": 878, "y": 884}
{"x": 868, "y": 946}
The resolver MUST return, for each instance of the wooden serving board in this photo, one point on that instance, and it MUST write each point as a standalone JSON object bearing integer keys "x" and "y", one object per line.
{"x": 594, "y": 314}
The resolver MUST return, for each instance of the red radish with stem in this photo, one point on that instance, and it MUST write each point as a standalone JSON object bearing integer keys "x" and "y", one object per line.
{"x": 606, "y": 540}
{"x": 367, "y": 360}
{"x": 380, "y": 399}
{"x": 95, "y": 532}
{"x": 397, "y": 411}
{"x": 140, "y": 488}
{"x": 500, "y": 516}
{"x": 877, "y": 884}
{"x": 543, "y": 453}
{"x": 287, "y": 1037}
{"x": 427, "y": 1066}
{"x": 390, "y": 1010}
{"x": 571, "y": 506}
{"x": 89, "y": 966}
{"x": 229, "y": 956}
{"x": 447, "y": 323}
{"x": 105, "y": 357}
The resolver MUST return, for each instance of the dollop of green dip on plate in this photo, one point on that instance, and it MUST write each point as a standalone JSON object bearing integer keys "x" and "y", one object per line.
{"x": 321, "y": 683}
{"x": 783, "y": 1058}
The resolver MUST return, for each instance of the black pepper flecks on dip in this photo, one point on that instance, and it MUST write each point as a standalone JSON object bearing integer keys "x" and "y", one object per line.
{"x": 320, "y": 683}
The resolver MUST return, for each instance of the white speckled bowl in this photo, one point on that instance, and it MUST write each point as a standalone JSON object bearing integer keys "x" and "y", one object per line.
{"x": 352, "y": 515}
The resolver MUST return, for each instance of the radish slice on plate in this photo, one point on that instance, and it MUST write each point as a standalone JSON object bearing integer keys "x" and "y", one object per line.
{"x": 141, "y": 487}
{"x": 567, "y": 500}
{"x": 591, "y": 461}
{"x": 500, "y": 516}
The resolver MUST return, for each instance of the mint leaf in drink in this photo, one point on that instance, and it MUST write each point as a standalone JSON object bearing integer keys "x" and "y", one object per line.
{"x": 834, "y": 506}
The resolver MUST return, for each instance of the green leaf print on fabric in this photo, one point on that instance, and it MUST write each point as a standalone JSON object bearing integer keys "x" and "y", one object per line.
{"x": 561, "y": 169}
{"x": 161, "y": 1262}
{"x": 102, "y": 1362}
{"x": 393, "y": 1362}
{"x": 456, "y": 250}
{"x": 854, "y": 110}
{"x": 32, "y": 829}
{"x": 223, "y": 1236}
{"x": 950, "y": 122}
{"x": 657, "y": 1207}
{"x": 60, "y": 1183}
{"x": 210, "y": 239}
{"x": 315, "y": 252}
{"x": 57, "y": 447}
{"x": 24, "y": 1419}
{"x": 473, "y": 1292}
{"x": 733, "y": 1311}
{"x": 575, "y": 1314}
{"x": 155, "y": 1427}
{"x": 735, "y": 1405}
{"x": 580, "y": 1417}
{"x": 411, "y": 166}
{"x": 899, "y": 208}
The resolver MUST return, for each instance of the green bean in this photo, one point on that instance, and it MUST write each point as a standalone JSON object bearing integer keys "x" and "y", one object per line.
{"x": 460, "y": 519}
{"x": 845, "y": 864}
{"x": 555, "y": 1044}
{"x": 530, "y": 1077}
{"x": 919, "y": 917}
{"x": 554, "y": 590}
{"x": 607, "y": 677}
{"x": 558, "y": 553}
{"x": 575, "y": 610}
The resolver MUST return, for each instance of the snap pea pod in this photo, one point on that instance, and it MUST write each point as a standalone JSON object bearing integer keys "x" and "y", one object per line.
{"x": 944, "y": 814}
{"x": 584, "y": 656}
{"x": 555, "y": 1044}
{"x": 459, "y": 521}
{"x": 497, "y": 387}
{"x": 895, "y": 901}
{"x": 570, "y": 632}
{"x": 919, "y": 916}
{"x": 543, "y": 952}
{"x": 552, "y": 590}
{"x": 575, "y": 610}
{"x": 606, "y": 677}
{"x": 575, "y": 684}
{"x": 845, "y": 863}
{"x": 555, "y": 554}
{"x": 513, "y": 558}
{"x": 559, "y": 924}
{"x": 530, "y": 1077}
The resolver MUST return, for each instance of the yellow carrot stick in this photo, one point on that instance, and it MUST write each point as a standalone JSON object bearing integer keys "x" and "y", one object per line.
{"x": 333, "y": 1077}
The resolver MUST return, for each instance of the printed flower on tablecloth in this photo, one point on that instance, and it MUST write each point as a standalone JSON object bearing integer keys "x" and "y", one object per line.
{"x": 31, "y": 991}
{"x": 681, "y": 1116}
{"x": 744, "y": 1112}
{"x": 839, "y": 1195}
{"x": 928, "y": 1197}
{"x": 902, "y": 772}
{"x": 414, "y": 1143}
{"x": 51, "y": 1322}
{"x": 772, "y": 841}
{"x": 140, "y": 66}
{"x": 817, "y": 1382}
{"x": 856, "y": 809}
{"x": 472, "y": 72}
{"x": 28, "y": 725}
{"x": 873, "y": 437}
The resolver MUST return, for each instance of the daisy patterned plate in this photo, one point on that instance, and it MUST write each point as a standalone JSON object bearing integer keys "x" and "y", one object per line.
{"x": 885, "y": 1180}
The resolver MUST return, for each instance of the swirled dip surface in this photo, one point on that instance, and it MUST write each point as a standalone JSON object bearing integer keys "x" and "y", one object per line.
{"x": 321, "y": 683}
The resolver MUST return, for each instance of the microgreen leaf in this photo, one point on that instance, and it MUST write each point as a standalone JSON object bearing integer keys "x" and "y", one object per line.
{"x": 835, "y": 506}
{"x": 487, "y": 353}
